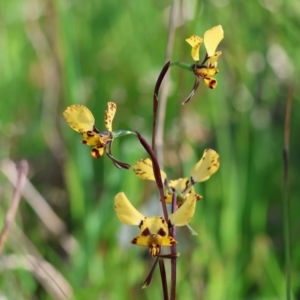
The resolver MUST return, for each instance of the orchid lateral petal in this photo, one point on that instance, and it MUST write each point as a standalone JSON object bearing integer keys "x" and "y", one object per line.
{"x": 144, "y": 170}
{"x": 79, "y": 117}
{"x": 183, "y": 215}
{"x": 109, "y": 115}
{"x": 207, "y": 166}
{"x": 126, "y": 212}
{"x": 195, "y": 41}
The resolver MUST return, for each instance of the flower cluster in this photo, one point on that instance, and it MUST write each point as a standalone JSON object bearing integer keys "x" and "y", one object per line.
{"x": 156, "y": 231}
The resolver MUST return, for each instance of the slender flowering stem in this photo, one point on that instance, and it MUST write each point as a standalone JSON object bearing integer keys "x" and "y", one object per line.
{"x": 155, "y": 100}
{"x": 163, "y": 278}
{"x": 157, "y": 175}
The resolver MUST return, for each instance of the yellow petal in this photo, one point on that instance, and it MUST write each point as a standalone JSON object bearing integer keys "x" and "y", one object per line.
{"x": 109, "y": 115}
{"x": 180, "y": 184}
{"x": 154, "y": 233}
{"x": 97, "y": 151}
{"x": 212, "y": 39}
{"x": 202, "y": 72}
{"x": 154, "y": 225}
{"x": 144, "y": 170}
{"x": 154, "y": 242}
{"x": 207, "y": 166}
{"x": 184, "y": 214}
{"x": 91, "y": 138}
{"x": 213, "y": 59}
{"x": 79, "y": 118}
{"x": 195, "y": 42}
{"x": 125, "y": 211}
{"x": 210, "y": 82}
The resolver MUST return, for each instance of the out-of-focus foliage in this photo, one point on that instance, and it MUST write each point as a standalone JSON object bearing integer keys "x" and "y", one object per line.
{"x": 58, "y": 53}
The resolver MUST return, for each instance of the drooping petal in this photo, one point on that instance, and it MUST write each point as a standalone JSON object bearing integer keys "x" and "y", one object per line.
{"x": 207, "y": 166}
{"x": 195, "y": 41}
{"x": 184, "y": 214}
{"x": 212, "y": 39}
{"x": 144, "y": 170}
{"x": 79, "y": 117}
{"x": 210, "y": 82}
{"x": 97, "y": 151}
{"x": 109, "y": 115}
{"x": 126, "y": 212}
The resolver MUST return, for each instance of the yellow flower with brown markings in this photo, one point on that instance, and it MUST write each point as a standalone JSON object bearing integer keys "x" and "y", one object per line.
{"x": 154, "y": 231}
{"x": 81, "y": 119}
{"x": 208, "y": 67}
{"x": 182, "y": 187}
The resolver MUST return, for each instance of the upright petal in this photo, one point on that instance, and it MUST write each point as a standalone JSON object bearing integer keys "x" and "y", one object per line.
{"x": 207, "y": 166}
{"x": 195, "y": 41}
{"x": 109, "y": 115}
{"x": 125, "y": 211}
{"x": 144, "y": 170}
{"x": 79, "y": 118}
{"x": 212, "y": 39}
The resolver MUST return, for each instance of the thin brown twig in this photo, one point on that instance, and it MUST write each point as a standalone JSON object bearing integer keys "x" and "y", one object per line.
{"x": 49, "y": 277}
{"x": 14, "y": 203}
{"x": 43, "y": 210}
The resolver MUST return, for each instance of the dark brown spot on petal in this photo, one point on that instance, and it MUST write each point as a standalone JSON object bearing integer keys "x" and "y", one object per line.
{"x": 146, "y": 232}
{"x": 134, "y": 241}
{"x": 95, "y": 153}
{"x": 161, "y": 232}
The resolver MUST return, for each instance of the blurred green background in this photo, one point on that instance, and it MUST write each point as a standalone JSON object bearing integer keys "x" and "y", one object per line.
{"x": 57, "y": 53}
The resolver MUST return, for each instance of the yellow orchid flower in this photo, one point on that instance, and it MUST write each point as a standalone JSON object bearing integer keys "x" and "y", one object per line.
{"x": 207, "y": 68}
{"x": 182, "y": 187}
{"x": 183, "y": 190}
{"x": 154, "y": 231}
{"x": 81, "y": 119}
